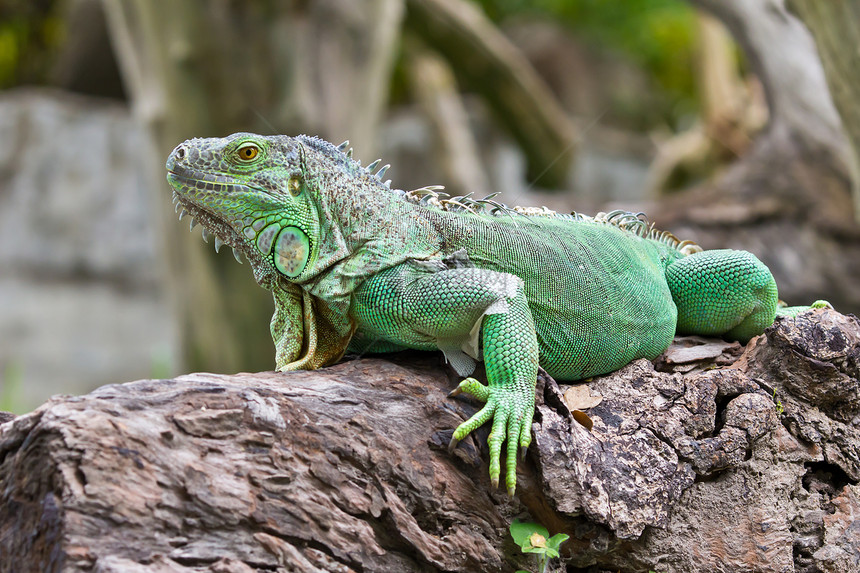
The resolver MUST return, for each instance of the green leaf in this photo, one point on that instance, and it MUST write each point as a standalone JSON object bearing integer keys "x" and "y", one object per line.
{"x": 556, "y": 540}
{"x": 521, "y": 530}
{"x": 551, "y": 553}
{"x": 526, "y": 548}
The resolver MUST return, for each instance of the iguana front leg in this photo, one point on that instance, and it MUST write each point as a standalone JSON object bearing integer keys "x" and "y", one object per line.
{"x": 452, "y": 310}
{"x": 511, "y": 360}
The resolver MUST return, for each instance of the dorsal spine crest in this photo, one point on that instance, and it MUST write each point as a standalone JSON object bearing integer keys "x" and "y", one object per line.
{"x": 433, "y": 197}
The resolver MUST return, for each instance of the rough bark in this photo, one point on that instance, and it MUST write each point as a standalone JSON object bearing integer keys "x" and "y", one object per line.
{"x": 709, "y": 462}
{"x": 488, "y": 63}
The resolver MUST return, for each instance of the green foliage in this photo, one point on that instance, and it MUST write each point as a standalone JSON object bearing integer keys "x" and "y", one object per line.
{"x": 534, "y": 538}
{"x": 658, "y": 35}
{"x": 31, "y": 32}
{"x": 779, "y": 409}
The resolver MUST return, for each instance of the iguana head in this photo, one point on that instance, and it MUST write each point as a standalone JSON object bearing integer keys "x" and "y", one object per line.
{"x": 297, "y": 207}
{"x": 252, "y": 192}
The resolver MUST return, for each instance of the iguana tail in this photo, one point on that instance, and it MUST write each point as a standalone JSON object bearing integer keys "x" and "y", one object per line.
{"x": 722, "y": 293}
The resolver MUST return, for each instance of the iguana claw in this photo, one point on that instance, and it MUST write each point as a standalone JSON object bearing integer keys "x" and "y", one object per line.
{"x": 511, "y": 423}
{"x": 452, "y": 445}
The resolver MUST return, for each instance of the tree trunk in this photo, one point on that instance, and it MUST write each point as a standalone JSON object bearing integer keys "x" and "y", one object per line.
{"x": 488, "y": 63}
{"x": 203, "y": 69}
{"x": 719, "y": 459}
{"x": 788, "y": 199}
{"x": 835, "y": 25}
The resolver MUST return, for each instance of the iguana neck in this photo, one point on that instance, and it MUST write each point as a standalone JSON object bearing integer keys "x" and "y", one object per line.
{"x": 365, "y": 227}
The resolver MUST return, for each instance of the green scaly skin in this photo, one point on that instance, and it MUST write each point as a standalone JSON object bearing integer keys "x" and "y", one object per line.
{"x": 353, "y": 264}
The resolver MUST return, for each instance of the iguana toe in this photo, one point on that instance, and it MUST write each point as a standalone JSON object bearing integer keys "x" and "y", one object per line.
{"x": 472, "y": 387}
{"x": 452, "y": 445}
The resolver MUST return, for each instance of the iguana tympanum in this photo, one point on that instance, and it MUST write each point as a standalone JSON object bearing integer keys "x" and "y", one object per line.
{"x": 355, "y": 265}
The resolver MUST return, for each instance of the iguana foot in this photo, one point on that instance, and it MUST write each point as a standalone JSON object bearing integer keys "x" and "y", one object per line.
{"x": 792, "y": 311}
{"x": 472, "y": 387}
{"x": 511, "y": 411}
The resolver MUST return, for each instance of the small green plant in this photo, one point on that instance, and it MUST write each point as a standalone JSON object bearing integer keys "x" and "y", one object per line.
{"x": 779, "y": 408}
{"x": 534, "y": 538}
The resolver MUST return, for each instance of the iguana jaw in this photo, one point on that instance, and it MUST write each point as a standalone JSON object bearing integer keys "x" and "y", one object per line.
{"x": 250, "y": 193}
{"x": 185, "y": 184}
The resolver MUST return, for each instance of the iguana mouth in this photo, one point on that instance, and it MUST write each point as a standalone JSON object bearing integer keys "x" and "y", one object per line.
{"x": 202, "y": 180}
{"x": 212, "y": 223}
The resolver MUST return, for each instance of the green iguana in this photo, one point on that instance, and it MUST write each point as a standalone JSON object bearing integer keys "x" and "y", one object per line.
{"x": 355, "y": 265}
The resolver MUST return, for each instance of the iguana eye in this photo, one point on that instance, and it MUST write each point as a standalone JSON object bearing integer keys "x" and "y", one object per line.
{"x": 295, "y": 186}
{"x": 248, "y": 152}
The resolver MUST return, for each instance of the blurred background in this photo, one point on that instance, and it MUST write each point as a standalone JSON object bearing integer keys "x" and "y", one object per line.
{"x": 715, "y": 117}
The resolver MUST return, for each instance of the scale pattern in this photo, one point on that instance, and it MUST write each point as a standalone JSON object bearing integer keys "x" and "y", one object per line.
{"x": 723, "y": 292}
{"x": 354, "y": 264}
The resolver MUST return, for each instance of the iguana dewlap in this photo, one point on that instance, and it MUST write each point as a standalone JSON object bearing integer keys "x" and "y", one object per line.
{"x": 356, "y": 265}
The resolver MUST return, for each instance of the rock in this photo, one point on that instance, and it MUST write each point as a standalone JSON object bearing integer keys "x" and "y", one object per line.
{"x": 81, "y": 297}
{"x": 749, "y": 467}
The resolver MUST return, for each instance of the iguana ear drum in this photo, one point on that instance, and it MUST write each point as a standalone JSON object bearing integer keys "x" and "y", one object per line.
{"x": 292, "y": 249}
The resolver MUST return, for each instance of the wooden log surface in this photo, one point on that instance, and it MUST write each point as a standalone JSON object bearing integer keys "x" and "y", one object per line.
{"x": 712, "y": 458}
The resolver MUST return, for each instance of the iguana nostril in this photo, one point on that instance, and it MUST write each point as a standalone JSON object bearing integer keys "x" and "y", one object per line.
{"x": 180, "y": 152}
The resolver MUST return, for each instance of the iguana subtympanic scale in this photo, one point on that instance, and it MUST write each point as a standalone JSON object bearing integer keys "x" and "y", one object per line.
{"x": 354, "y": 264}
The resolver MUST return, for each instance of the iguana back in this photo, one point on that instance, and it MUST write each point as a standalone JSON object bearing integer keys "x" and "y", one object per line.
{"x": 597, "y": 293}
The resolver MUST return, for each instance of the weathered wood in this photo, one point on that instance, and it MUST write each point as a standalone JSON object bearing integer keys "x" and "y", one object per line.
{"x": 328, "y": 467}
{"x": 749, "y": 467}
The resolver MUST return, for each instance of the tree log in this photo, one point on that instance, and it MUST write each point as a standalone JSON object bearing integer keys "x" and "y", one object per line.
{"x": 712, "y": 458}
